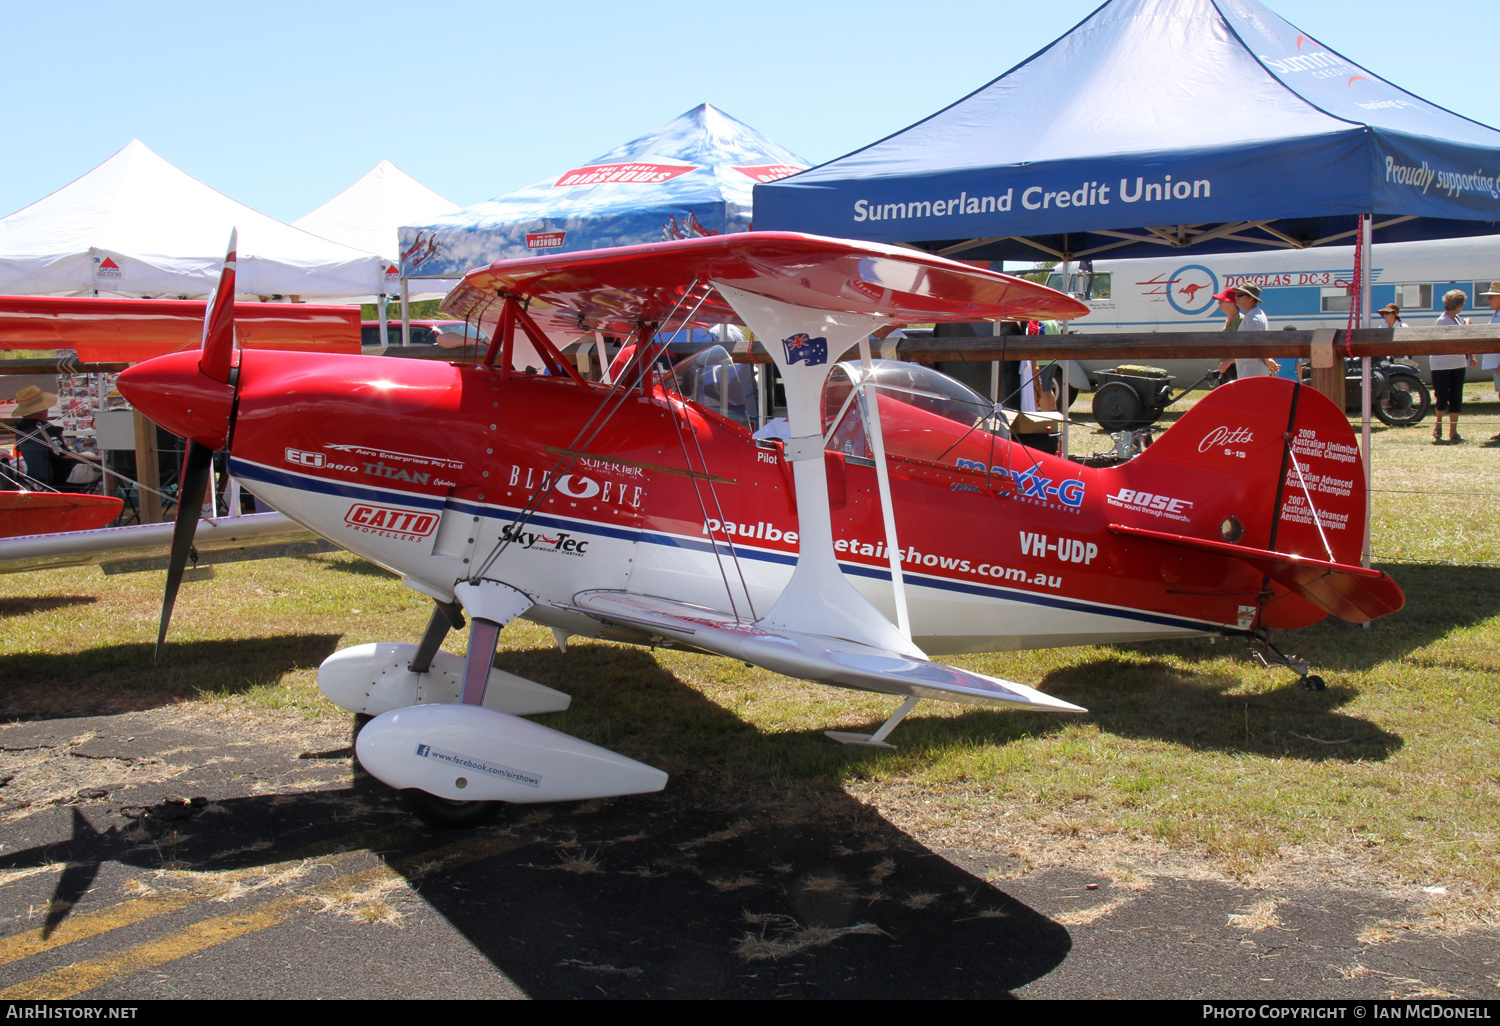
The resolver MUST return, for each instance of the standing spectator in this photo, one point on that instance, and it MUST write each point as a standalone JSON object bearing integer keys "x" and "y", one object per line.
{"x": 1448, "y": 372}
{"x": 1231, "y": 312}
{"x": 1491, "y": 361}
{"x": 1252, "y": 318}
{"x": 1392, "y": 314}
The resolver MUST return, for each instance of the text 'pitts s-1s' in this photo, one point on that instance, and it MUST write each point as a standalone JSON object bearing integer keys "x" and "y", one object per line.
{"x": 898, "y": 520}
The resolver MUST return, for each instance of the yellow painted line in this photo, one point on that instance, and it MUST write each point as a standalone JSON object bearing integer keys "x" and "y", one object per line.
{"x": 74, "y": 979}
{"x": 91, "y": 924}
{"x": 81, "y": 976}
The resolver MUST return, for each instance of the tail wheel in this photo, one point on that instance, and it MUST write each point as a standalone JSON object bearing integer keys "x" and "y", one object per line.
{"x": 447, "y": 815}
{"x": 1406, "y": 401}
{"x": 1117, "y": 406}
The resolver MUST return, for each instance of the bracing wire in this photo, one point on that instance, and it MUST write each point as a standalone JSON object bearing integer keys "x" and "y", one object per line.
{"x": 713, "y": 493}
{"x": 608, "y": 406}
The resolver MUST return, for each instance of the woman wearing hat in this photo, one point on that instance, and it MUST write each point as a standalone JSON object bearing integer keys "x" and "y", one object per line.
{"x": 1392, "y": 314}
{"x": 36, "y": 440}
{"x": 1252, "y": 318}
{"x": 1231, "y": 312}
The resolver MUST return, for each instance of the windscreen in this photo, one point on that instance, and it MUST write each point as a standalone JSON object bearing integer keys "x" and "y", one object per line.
{"x": 924, "y": 413}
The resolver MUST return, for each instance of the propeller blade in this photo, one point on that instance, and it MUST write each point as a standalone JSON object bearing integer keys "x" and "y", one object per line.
{"x": 218, "y": 319}
{"x": 197, "y": 468}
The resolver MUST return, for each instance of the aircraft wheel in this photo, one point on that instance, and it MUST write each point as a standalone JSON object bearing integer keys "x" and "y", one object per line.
{"x": 1312, "y": 682}
{"x": 1117, "y": 406}
{"x": 444, "y": 814}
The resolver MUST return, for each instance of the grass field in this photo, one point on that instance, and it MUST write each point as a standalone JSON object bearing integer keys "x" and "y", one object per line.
{"x": 1191, "y": 757}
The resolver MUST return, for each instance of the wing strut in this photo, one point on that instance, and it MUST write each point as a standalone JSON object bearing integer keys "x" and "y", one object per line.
{"x": 870, "y": 400}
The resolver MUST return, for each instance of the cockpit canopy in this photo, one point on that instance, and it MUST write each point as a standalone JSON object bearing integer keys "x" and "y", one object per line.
{"x": 924, "y": 414}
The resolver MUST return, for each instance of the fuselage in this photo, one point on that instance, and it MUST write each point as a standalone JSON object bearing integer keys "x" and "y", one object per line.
{"x": 426, "y": 468}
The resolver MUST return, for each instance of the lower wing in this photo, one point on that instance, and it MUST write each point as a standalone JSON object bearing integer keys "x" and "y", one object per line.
{"x": 811, "y": 656}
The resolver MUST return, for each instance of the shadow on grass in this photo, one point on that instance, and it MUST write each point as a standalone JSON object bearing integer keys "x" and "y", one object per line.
{"x": 730, "y": 883}
{"x": 121, "y": 678}
{"x": 1439, "y": 601}
{"x": 26, "y": 606}
{"x": 1159, "y": 701}
{"x": 352, "y": 565}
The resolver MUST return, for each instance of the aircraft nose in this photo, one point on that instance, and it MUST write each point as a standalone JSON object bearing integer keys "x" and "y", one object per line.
{"x": 173, "y": 392}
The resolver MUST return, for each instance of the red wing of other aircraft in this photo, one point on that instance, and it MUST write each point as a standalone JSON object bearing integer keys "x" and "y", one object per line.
{"x": 900, "y": 519}
{"x": 51, "y": 512}
{"x": 43, "y": 529}
{"x": 105, "y": 330}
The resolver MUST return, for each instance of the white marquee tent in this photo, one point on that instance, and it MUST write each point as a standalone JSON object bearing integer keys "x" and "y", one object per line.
{"x": 138, "y": 226}
{"x": 367, "y": 214}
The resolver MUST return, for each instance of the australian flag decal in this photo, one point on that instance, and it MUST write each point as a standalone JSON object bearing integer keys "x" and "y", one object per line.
{"x": 801, "y": 349}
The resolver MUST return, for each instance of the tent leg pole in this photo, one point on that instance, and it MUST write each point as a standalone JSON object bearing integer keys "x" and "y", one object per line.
{"x": 1367, "y": 223}
{"x": 383, "y": 301}
{"x": 406, "y": 311}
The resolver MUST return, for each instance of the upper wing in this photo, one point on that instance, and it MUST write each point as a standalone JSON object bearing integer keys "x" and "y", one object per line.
{"x": 217, "y": 541}
{"x": 616, "y": 289}
{"x": 813, "y": 657}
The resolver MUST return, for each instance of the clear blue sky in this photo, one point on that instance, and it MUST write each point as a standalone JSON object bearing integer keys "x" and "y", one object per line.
{"x": 282, "y": 105}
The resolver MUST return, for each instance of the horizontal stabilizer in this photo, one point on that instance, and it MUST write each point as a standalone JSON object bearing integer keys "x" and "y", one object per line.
{"x": 1350, "y": 593}
{"x": 813, "y": 657}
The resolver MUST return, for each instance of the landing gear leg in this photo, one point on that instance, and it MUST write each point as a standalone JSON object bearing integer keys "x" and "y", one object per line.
{"x": 1298, "y": 665}
{"x": 484, "y": 635}
{"x": 446, "y": 616}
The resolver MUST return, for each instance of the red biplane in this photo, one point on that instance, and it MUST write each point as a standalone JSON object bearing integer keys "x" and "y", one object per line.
{"x": 899, "y": 520}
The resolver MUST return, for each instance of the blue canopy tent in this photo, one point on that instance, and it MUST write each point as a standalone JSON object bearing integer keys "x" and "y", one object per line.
{"x": 1157, "y": 124}
{"x": 692, "y": 176}
{"x": 1153, "y": 125}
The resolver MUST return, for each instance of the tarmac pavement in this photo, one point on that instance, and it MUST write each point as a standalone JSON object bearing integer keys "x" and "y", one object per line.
{"x": 179, "y": 852}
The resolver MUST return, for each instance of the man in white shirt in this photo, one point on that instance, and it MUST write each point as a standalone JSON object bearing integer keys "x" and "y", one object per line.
{"x": 1252, "y": 318}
